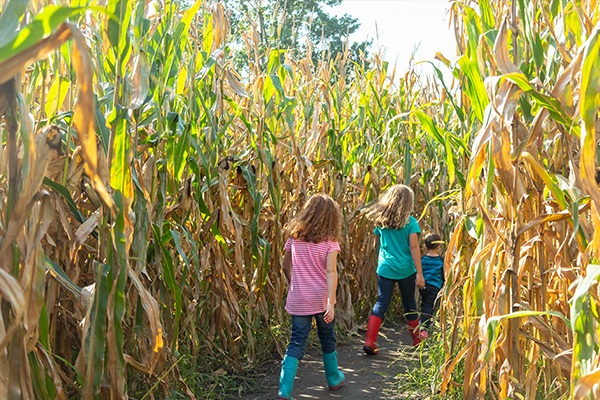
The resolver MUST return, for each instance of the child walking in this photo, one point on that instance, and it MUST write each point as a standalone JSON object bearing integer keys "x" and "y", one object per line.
{"x": 399, "y": 260}
{"x": 432, "y": 264}
{"x": 310, "y": 265}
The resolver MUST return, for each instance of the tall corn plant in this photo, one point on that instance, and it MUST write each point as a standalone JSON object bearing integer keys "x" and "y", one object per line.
{"x": 146, "y": 186}
{"x": 521, "y": 311}
{"x": 69, "y": 211}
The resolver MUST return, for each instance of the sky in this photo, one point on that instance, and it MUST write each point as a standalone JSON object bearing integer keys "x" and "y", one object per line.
{"x": 400, "y": 26}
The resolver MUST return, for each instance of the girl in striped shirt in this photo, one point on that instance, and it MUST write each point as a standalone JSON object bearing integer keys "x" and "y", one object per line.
{"x": 310, "y": 265}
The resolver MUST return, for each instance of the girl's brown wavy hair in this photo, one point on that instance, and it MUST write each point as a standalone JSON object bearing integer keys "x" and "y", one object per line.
{"x": 393, "y": 209}
{"x": 319, "y": 220}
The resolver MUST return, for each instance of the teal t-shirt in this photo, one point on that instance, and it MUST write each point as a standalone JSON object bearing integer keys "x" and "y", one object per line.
{"x": 395, "y": 259}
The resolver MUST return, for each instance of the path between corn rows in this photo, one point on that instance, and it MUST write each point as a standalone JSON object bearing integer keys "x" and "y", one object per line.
{"x": 372, "y": 377}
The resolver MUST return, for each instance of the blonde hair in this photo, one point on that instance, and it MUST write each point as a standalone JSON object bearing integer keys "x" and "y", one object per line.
{"x": 393, "y": 209}
{"x": 319, "y": 220}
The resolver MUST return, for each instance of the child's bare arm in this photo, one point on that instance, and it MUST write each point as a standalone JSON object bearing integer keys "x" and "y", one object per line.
{"x": 332, "y": 279}
{"x": 287, "y": 265}
{"x": 413, "y": 239}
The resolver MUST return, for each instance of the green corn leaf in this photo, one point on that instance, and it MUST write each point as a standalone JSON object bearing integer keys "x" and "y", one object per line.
{"x": 195, "y": 260}
{"x": 59, "y": 274}
{"x": 101, "y": 130}
{"x": 266, "y": 250}
{"x": 407, "y": 163}
{"x": 60, "y": 189}
{"x": 542, "y": 173}
{"x": 44, "y": 327}
{"x": 450, "y": 161}
{"x": 474, "y": 87}
{"x": 209, "y": 33}
{"x": 590, "y": 81}
{"x": 582, "y": 323}
{"x": 487, "y": 15}
{"x": 554, "y": 106}
{"x": 43, "y": 24}
{"x": 117, "y": 30}
{"x": 120, "y": 175}
{"x": 37, "y": 379}
{"x": 589, "y": 96}
{"x": 268, "y": 89}
{"x": 119, "y": 263}
{"x": 250, "y": 179}
{"x": 96, "y": 336}
{"x": 478, "y": 276}
{"x": 9, "y": 20}
{"x": 274, "y": 61}
{"x": 429, "y": 126}
{"x": 440, "y": 76}
{"x": 490, "y": 182}
{"x": 274, "y": 188}
{"x": 179, "y": 41}
{"x": 170, "y": 281}
{"x": 538, "y": 51}
{"x": 254, "y": 228}
{"x": 182, "y": 149}
{"x": 573, "y": 23}
{"x": 177, "y": 240}
{"x": 473, "y": 29}
{"x": 139, "y": 245}
{"x": 138, "y": 24}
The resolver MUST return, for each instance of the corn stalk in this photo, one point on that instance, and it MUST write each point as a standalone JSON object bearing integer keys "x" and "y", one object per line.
{"x": 521, "y": 311}
{"x": 145, "y": 186}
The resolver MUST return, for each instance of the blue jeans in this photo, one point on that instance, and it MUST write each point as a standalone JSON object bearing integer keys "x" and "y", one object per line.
{"x": 300, "y": 329}
{"x": 385, "y": 288}
{"x": 428, "y": 304}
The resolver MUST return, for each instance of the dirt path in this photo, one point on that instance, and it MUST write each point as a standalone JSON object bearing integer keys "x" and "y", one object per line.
{"x": 366, "y": 377}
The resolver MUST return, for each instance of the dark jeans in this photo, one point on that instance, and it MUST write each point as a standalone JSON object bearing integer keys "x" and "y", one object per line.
{"x": 385, "y": 288}
{"x": 300, "y": 329}
{"x": 428, "y": 304}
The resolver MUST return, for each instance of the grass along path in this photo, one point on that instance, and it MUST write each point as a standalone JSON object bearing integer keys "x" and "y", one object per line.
{"x": 375, "y": 377}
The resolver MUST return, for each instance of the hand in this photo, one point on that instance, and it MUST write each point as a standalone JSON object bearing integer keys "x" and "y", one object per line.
{"x": 329, "y": 313}
{"x": 420, "y": 281}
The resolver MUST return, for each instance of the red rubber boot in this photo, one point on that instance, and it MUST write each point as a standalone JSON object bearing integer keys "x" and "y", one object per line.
{"x": 372, "y": 331}
{"x": 413, "y": 328}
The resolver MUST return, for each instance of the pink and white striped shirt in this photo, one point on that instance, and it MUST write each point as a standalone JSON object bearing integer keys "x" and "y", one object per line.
{"x": 308, "y": 286}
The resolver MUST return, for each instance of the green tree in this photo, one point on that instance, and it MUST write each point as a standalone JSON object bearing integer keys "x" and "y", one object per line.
{"x": 293, "y": 24}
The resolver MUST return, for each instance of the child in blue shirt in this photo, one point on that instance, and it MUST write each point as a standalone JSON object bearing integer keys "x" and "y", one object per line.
{"x": 432, "y": 265}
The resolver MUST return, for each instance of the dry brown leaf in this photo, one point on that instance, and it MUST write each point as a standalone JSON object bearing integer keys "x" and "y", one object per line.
{"x": 45, "y": 144}
{"x": 235, "y": 84}
{"x": 85, "y": 115}
{"x": 85, "y": 229}
{"x": 501, "y": 50}
{"x": 64, "y": 220}
{"x": 153, "y": 313}
{"x": 42, "y": 355}
{"x": 585, "y": 384}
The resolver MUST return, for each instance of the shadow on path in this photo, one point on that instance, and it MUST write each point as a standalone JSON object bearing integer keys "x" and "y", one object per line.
{"x": 372, "y": 377}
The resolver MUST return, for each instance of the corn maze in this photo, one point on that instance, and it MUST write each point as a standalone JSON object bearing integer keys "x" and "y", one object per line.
{"x": 145, "y": 184}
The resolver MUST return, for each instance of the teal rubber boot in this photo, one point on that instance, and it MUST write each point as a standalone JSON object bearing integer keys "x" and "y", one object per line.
{"x": 289, "y": 366}
{"x": 335, "y": 377}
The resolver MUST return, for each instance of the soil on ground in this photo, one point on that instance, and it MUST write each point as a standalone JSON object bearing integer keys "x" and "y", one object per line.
{"x": 367, "y": 377}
